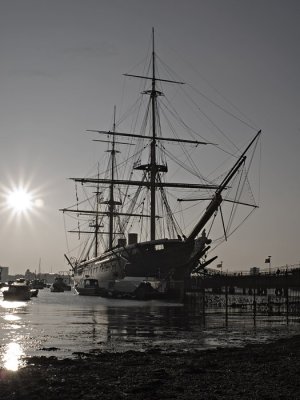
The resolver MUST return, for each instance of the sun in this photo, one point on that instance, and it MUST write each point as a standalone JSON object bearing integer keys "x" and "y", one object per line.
{"x": 19, "y": 200}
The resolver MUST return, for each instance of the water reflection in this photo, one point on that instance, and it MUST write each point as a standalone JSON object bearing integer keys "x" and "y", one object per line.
{"x": 12, "y": 322}
{"x": 153, "y": 323}
{"x": 12, "y": 334}
{"x": 12, "y": 304}
{"x": 12, "y": 356}
{"x": 63, "y": 324}
{"x": 11, "y": 317}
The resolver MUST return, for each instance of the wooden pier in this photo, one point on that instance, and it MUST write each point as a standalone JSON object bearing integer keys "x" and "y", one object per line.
{"x": 260, "y": 281}
{"x": 276, "y": 292}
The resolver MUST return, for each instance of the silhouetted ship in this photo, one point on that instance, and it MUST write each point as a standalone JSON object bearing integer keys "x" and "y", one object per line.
{"x": 134, "y": 241}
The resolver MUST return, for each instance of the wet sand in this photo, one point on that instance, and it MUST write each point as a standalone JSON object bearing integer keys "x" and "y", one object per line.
{"x": 260, "y": 371}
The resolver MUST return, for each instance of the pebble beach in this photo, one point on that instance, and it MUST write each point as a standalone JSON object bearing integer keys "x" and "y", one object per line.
{"x": 256, "y": 371}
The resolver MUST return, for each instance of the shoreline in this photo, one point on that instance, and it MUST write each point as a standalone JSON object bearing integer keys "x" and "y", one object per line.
{"x": 256, "y": 371}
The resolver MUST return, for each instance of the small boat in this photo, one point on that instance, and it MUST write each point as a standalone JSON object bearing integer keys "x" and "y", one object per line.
{"x": 37, "y": 284}
{"x": 17, "y": 290}
{"x": 88, "y": 287}
{"x": 34, "y": 292}
{"x": 59, "y": 285}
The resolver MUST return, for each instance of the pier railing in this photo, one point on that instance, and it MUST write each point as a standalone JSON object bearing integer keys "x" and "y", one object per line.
{"x": 279, "y": 270}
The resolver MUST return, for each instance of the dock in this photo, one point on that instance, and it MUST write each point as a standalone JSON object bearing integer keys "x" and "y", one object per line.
{"x": 274, "y": 291}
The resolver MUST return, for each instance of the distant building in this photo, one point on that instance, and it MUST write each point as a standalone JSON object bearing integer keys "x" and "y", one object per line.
{"x": 3, "y": 274}
{"x": 254, "y": 271}
{"x": 29, "y": 276}
{"x": 48, "y": 278}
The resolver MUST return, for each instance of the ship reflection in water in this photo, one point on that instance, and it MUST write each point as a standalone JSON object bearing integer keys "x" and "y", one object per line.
{"x": 65, "y": 325}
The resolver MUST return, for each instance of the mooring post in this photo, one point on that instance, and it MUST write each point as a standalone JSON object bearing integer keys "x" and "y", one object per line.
{"x": 287, "y": 304}
{"x": 254, "y": 303}
{"x": 226, "y": 305}
{"x": 270, "y": 309}
{"x": 203, "y": 300}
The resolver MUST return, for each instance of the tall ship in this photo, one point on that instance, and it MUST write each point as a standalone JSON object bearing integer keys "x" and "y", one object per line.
{"x": 149, "y": 217}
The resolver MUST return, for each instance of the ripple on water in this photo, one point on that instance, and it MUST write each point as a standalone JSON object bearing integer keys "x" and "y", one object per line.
{"x": 62, "y": 324}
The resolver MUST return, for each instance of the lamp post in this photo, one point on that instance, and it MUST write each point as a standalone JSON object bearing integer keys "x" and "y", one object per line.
{"x": 268, "y": 260}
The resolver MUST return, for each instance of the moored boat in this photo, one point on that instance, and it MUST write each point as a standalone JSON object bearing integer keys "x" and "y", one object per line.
{"x": 37, "y": 284}
{"x": 18, "y": 290}
{"x": 88, "y": 287}
{"x": 59, "y": 285}
{"x": 34, "y": 292}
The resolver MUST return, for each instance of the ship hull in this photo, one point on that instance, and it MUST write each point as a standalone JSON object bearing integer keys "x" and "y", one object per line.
{"x": 156, "y": 262}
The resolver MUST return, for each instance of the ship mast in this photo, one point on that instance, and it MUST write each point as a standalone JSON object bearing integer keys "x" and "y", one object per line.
{"x": 217, "y": 199}
{"x": 112, "y": 182}
{"x": 153, "y": 166}
{"x": 111, "y": 197}
{"x": 97, "y": 220}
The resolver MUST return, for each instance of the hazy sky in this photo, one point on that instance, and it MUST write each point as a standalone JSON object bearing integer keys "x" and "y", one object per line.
{"x": 61, "y": 73}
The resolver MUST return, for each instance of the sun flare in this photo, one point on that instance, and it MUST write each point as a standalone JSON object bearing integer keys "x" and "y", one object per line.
{"x": 19, "y": 200}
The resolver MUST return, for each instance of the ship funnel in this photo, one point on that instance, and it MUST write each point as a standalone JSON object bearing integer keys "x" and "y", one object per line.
{"x": 132, "y": 238}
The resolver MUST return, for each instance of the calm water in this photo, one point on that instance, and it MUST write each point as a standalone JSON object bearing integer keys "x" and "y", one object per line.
{"x": 61, "y": 324}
